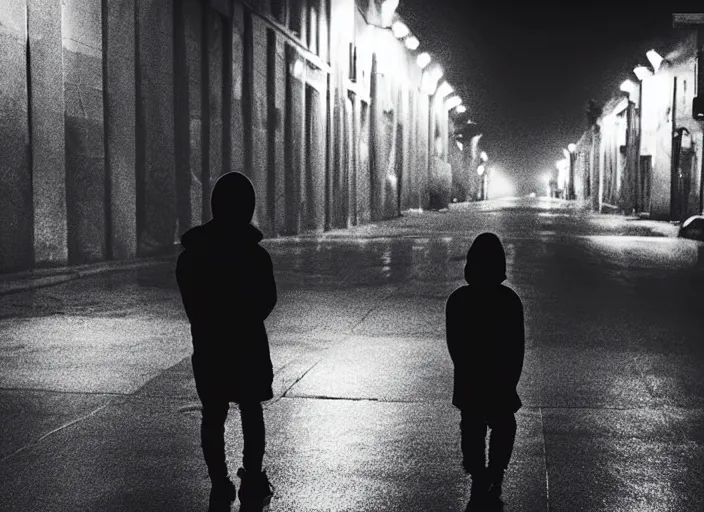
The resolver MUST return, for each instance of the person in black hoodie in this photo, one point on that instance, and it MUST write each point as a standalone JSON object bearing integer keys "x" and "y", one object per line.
{"x": 228, "y": 289}
{"x": 486, "y": 341}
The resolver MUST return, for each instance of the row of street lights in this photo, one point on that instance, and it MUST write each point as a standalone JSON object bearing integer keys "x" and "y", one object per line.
{"x": 566, "y": 166}
{"x": 432, "y": 72}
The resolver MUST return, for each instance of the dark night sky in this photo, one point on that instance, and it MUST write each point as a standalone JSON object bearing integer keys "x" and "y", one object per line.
{"x": 527, "y": 69}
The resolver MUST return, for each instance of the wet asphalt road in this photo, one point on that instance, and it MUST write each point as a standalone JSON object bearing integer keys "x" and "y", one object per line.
{"x": 99, "y": 413}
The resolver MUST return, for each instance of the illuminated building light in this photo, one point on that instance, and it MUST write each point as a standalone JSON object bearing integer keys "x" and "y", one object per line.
{"x": 461, "y": 109}
{"x": 388, "y": 8}
{"x": 428, "y": 84}
{"x": 445, "y": 89}
{"x": 436, "y": 73}
{"x": 412, "y": 43}
{"x": 480, "y": 170}
{"x": 655, "y": 59}
{"x": 392, "y": 178}
{"x": 298, "y": 69}
{"x": 642, "y": 72}
{"x": 399, "y": 29}
{"x": 628, "y": 86}
{"x": 453, "y": 102}
{"x": 423, "y": 60}
{"x": 500, "y": 185}
{"x": 483, "y": 156}
{"x": 566, "y": 153}
{"x": 459, "y": 145}
{"x": 571, "y": 147}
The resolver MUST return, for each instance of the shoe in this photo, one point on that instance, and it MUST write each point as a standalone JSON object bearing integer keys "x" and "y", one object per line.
{"x": 222, "y": 495}
{"x": 478, "y": 492}
{"x": 255, "y": 488}
{"x": 495, "y": 480}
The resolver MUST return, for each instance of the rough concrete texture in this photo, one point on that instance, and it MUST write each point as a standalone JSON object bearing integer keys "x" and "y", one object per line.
{"x": 120, "y": 128}
{"x": 157, "y": 221}
{"x": 15, "y": 173}
{"x": 48, "y": 148}
{"x": 85, "y": 144}
{"x": 100, "y": 413}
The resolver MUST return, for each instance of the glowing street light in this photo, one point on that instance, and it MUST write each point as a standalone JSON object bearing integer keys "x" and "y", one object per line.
{"x": 655, "y": 59}
{"x": 453, "y": 102}
{"x": 627, "y": 86}
{"x": 483, "y": 156}
{"x": 461, "y": 109}
{"x": 423, "y": 60}
{"x": 571, "y": 147}
{"x": 642, "y": 72}
{"x": 445, "y": 89}
{"x": 412, "y": 43}
{"x": 480, "y": 170}
{"x": 399, "y": 29}
{"x": 566, "y": 153}
{"x": 388, "y": 8}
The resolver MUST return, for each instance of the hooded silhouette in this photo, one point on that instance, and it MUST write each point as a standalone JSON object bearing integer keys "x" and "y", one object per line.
{"x": 227, "y": 285}
{"x": 485, "y": 339}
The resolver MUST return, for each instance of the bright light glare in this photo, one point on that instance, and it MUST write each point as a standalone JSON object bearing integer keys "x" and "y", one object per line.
{"x": 655, "y": 59}
{"x": 500, "y": 185}
{"x": 480, "y": 170}
{"x": 571, "y": 147}
{"x": 628, "y": 86}
{"x": 642, "y": 72}
{"x": 436, "y": 73}
{"x": 547, "y": 177}
{"x": 453, "y": 102}
{"x": 483, "y": 156}
{"x": 445, "y": 89}
{"x": 423, "y": 60}
{"x": 412, "y": 43}
{"x": 399, "y": 29}
{"x": 388, "y": 8}
{"x": 461, "y": 109}
{"x": 298, "y": 69}
{"x": 566, "y": 153}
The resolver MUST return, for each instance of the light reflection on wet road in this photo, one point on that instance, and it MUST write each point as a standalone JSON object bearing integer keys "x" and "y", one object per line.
{"x": 613, "y": 384}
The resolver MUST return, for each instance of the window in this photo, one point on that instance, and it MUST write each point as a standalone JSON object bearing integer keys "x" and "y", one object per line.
{"x": 297, "y": 17}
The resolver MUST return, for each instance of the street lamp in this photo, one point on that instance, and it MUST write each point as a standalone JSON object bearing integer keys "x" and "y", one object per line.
{"x": 423, "y": 60}
{"x": 453, "y": 102}
{"x": 412, "y": 43}
{"x": 628, "y": 87}
{"x": 483, "y": 156}
{"x": 461, "y": 109}
{"x": 445, "y": 89}
{"x": 388, "y": 8}
{"x": 655, "y": 59}
{"x": 399, "y": 29}
{"x": 642, "y": 72}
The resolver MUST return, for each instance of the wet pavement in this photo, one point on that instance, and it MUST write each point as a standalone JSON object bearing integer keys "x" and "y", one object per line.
{"x": 98, "y": 409}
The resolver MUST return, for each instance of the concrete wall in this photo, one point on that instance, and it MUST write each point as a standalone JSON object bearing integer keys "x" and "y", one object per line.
{"x": 118, "y": 117}
{"x": 16, "y": 204}
{"x": 47, "y": 131}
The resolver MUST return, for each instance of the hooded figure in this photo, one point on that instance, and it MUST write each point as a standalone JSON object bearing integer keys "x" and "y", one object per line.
{"x": 227, "y": 285}
{"x": 485, "y": 338}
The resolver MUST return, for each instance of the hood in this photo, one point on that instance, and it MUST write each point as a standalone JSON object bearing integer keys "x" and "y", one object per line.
{"x": 219, "y": 233}
{"x": 486, "y": 261}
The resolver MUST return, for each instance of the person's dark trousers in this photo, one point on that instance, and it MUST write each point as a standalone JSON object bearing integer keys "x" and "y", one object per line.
{"x": 212, "y": 433}
{"x": 473, "y": 426}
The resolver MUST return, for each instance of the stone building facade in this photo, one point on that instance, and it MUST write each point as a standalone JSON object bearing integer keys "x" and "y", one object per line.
{"x": 118, "y": 117}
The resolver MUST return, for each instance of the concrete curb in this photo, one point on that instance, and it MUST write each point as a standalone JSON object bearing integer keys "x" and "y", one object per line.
{"x": 39, "y": 278}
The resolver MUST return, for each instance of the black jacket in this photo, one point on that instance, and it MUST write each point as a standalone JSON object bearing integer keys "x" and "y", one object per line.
{"x": 485, "y": 334}
{"x": 227, "y": 285}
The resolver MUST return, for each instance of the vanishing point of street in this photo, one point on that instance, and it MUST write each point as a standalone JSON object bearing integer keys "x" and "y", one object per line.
{"x": 100, "y": 412}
